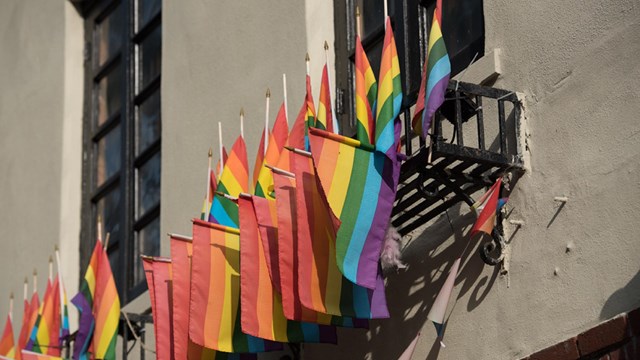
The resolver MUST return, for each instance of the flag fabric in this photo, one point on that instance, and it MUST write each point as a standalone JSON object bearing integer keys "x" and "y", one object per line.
{"x": 435, "y": 76}
{"x": 360, "y": 185}
{"x": 439, "y": 307}
{"x": 7, "y": 343}
{"x": 214, "y": 316}
{"x": 211, "y": 190}
{"x": 310, "y": 113}
{"x": 233, "y": 180}
{"x": 259, "y": 158}
{"x": 106, "y": 308}
{"x": 277, "y": 140}
{"x": 279, "y": 228}
{"x": 489, "y": 204}
{"x": 366, "y": 96}
{"x": 262, "y": 313}
{"x": 64, "y": 312}
{"x": 326, "y": 118}
{"x": 408, "y": 352}
{"x": 46, "y": 332}
{"x": 389, "y": 97}
{"x": 158, "y": 274}
{"x": 30, "y": 355}
{"x": 28, "y": 320}
{"x": 34, "y": 329}
{"x": 321, "y": 285}
{"x": 183, "y": 347}
{"x": 225, "y": 157}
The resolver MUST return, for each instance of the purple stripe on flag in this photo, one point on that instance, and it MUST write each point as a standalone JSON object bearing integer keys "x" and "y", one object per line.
{"x": 433, "y": 103}
{"x": 85, "y": 327}
{"x": 378, "y": 299}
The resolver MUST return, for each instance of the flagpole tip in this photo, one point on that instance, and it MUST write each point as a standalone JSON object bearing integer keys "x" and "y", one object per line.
{"x": 307, "y": 58}
{"x": 210, "y": 152}
{"x": 358, "y": 11}
{"x": 50, "y": 258}
{"x": 11, "y": 296}
{"x": 26, "y": 280}
{"x": 55, "y": 248}
{"x": 35, "y": 272}
{"x": 241, "y": 111}
{"x": 326, "y": 45}
{"x": 268, "y": 92}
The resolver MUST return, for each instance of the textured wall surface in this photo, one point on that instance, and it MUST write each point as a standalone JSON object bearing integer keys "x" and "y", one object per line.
{"x": 40, "y": 146}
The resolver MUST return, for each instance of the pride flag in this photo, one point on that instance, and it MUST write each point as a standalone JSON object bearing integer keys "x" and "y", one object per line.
{"x": 106, "y": 306}
{"x": 489, "y": 203}
{"x": 28, "y": 321}
{"x": 277, "y": 140}
{"x": 214, "y": 316}
{"x": 233, "y": 180}
{"x": 326, "y": 118}
{"x": 360, "y": 185}
{"x": 83, "y": 301}
{"x": 29, "y": 355}
{"x": 435, "y": 77}
{"x": 389, "y": 98}
{"x": 366, "y": 93}
{"x": 7, "y": 344}
{"x": 183, "y": 347}
{"x": 277, "y": 226}
{"x": 321, "y": 285}
{"x": 158, "y": 274}
{"x": 45, "y": 335}
{"x": 310, "y": 113}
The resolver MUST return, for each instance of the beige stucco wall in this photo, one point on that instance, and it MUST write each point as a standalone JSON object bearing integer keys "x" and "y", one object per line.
{"x": 40, "y": 144}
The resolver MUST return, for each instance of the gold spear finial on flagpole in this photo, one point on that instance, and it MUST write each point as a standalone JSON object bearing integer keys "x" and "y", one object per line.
{"x": 242, "y": 122}
{"x": 11, "y": 306}
{"x": 35, "y": 280}
{"x": 106, "y": 241}
{"x": 25, "y": 288}
{"x": 358, "y": 24}
{"x": 307, "y": 59}
{"x": 210, "y": 153}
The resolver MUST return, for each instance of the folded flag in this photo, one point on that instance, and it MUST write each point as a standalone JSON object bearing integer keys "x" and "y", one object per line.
{"x": 31, "y": 342}
{"x": 233, "y": 180}
{"x": 262, "y": 314}
{"x": 214, "y": 316}
{"x": 83, "y": 301}
{"x": 183, "y": 347}
{"x": 158, "y": 274}
{"x": 439, "y": 307}
{"x": 436, "y": 73}
{"x": 277, "y": 140}
{"x": 321, "y": 285}
{"x": 326, "y": 119}
{"x": 389, "y": 98}
{"x": 106, "y": 308}
{"x": 7, "y": 344}
{"x": 46, "y": 332}
{"x": 360, "y": 185}
{"x": 489, "y": 204}
{"x": 366, "y": 95}
{"x": 310, "y": 114}
{"x": 408, "y": 352}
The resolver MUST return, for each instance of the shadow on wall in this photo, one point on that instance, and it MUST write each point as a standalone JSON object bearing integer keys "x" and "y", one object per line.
{"x": 411, "y": 292}
{"x": 622, "y": 300}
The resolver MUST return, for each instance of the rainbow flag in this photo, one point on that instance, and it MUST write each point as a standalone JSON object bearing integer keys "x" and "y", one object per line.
{"x": 34, "y": 328}
{"x": 7, "y": 344}
{"x": 106, "y": 307}
{"x": 45, "y": 335}
{"x": 436, "y": 73}
{"x": 183, "y": 347}
{"x": 233, "y": 180}
{"x": 262, "y": 312}
{"x": 28, "y": 321}
{"x": 360, "y": 185}
{"x": 310, "y": 113}
{"x": 214, "y": 316}
{"x": 439, "y": 307}
{"x": 257, "y": 166}
{"x": 158, "y": 274}
{"x": 212, "y": 185}
{"x": 489, "y": 203}
{"x": 64, "y": 312}
{"x": 29, "y": 355}
{"x": 277, "y": 140}
{"x": 389, "y": 98}
{"x": 326, "y": 118}
{"x": 366, "y": 93}
{"x": 321, "y": 285}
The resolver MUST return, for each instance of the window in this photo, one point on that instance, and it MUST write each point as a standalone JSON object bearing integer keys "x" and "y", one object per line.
{"x": 121, "y": 136}
{"x": 463, "y": 31}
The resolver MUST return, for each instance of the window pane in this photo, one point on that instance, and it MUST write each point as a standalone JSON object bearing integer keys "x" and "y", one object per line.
{"x": 146, "y": 10}
{"x": 109, "y": 95}
{"x": 109, "y": 34}
{"x": 148, "y": 122}
{"x": 149, "y": 57}
{"x": 109, "y": 155}
{"x": 149, "y": 184}
{"x": 147, "y": 243}
{"x": 109, "y": 208}
{"x": 372, "y": 16}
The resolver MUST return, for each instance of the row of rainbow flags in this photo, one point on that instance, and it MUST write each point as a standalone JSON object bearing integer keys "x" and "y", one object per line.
{"x": 44, "y": 331}
{"x": 295, "y": 253}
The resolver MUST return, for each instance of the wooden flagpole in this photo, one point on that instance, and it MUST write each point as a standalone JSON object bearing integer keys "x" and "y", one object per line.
{"x": 284, "y": 90}
{"x": 242, "y": 122}
{"x": 220, "y": 147}
{"x": 266, "y": 122}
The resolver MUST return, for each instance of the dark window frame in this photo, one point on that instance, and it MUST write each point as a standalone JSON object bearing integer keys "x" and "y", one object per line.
{"x": 125, "y": 180}
{"x": 411, "y": 20}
